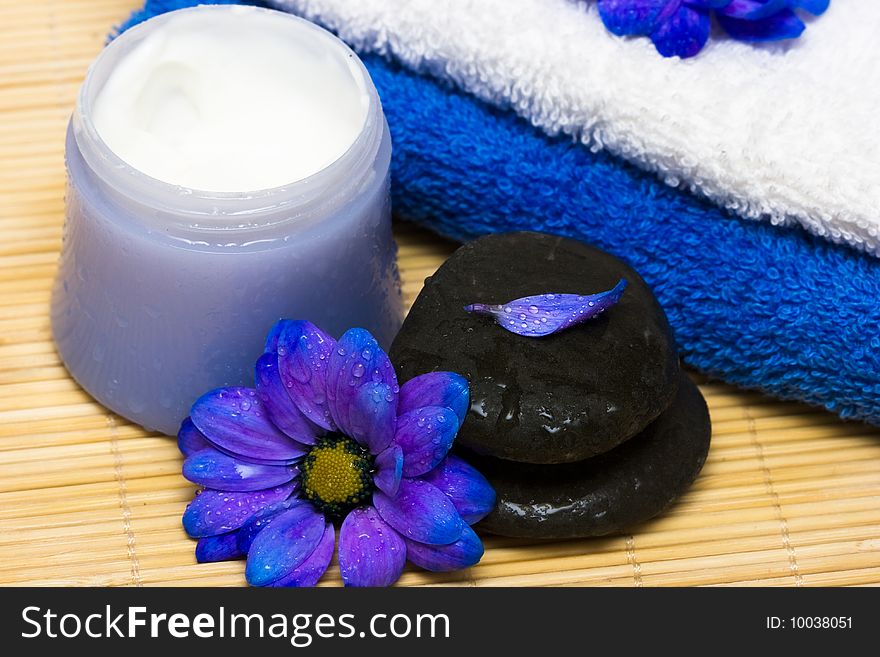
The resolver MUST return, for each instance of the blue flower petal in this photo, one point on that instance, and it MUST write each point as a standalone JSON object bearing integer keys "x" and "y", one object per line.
{"x": 436, "y": 389}
{"x": 425, "y": 436}
{"x": 709, "y": 4}
{"x": 632, "y": 17}
{"x": 223, "y": 547}
{"x": 683, "y": 34}
{"x": 420, "y": 512}
{"x": 543, "y": 314}
{"x": 470, "y": 492}
{"x": 314, "y": 566}
{"x": 303, "y": 356}
{"x": 815, "y": 7}
{"x": 753, "y": 9}
{"x": 275, "y": 332}
{"x": 217, "y": 512}
{"x": 235, "y": 420}
{"x": 282, "y": 411}
{"x": 373, "y": 416}
{"x": 284, "y": 545}
{"x": 213, "y": 469}
{"x": 389, "y": 470}
{"x": 464, "y": 553}
{"x": 189, "y": 439}
{"x": 262, "y": 519}
{"x": 780, "y": 26}
{"x": 371, "y": 553}
{"x": 356, "y": 361}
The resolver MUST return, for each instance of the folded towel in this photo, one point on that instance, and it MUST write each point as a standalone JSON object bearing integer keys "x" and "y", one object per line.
{"x": 784, "y": 132}
{"x": 758, "y": 305}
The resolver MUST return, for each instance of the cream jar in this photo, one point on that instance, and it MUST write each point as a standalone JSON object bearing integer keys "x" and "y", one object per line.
{"x": 172, "y": 269}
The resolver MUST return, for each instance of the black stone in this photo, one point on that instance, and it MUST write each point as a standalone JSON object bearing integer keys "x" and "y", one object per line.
{"x": 609, "y": 493}
{"x": 556, "y": 399}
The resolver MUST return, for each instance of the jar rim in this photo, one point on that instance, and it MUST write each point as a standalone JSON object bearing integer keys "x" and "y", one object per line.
{"x": 214, "y": 208}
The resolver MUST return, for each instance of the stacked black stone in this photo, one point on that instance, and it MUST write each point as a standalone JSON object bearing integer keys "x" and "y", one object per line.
{"x": 583, "y": 433}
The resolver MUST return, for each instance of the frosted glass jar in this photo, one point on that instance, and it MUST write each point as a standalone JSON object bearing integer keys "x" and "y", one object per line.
{"x": 164, "y": 292}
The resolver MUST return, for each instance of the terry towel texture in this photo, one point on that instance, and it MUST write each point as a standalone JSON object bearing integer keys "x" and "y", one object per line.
{"x": 788, "y": 133}
{"x": 762, "y": 306}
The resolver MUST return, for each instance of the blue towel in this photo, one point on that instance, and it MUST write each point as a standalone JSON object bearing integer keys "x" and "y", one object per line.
{"x": 764, "y": 307}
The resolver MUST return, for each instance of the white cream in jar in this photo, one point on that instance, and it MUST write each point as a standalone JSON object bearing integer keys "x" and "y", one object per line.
{"x": 231, "y": 101}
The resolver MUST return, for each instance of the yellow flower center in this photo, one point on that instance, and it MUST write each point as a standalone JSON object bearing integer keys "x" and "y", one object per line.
{"x": 336, "y": 474}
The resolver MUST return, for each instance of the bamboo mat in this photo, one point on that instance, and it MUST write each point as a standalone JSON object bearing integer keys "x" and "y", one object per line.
{"x": 790, "y": 496}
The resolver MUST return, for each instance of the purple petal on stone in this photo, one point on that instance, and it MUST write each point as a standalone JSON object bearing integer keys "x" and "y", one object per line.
{"x": 436, "y": 389}
{"x": 356, "y": 361}
{"x": 389, "y": 470}
{"x": 223, "y": 547}
{"x": 213, "y": 469}
{"x": 285, "y": 544}
{"x": 189, "y": 439}
{"x": 315, "y": 565}
{"x": 543, "y": 314}
{"x": 217, "y": 511}
{"x": 683, "y": 34}
{"x": 303, "y": 356}
{"x": 425, "y": 436}
{"x": 235, "y": 420}
{"x": 632, "y": 17}
{"x": 782, "y": 25}
{"x": 281, "y": 410}
{"x": 470, "y": 492}
{"x": 373, "y": 416}
{"x": 261, "y": 520}
{"x": 421, "y": 512}
{"x": 464, "y": 553}
{"x": 371, "y": 553}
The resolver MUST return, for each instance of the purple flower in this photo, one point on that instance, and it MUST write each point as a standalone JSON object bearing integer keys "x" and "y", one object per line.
{"x": 681, "y": 27}
{"x": 543, "y": 314}
{"x": 328, "y": 437}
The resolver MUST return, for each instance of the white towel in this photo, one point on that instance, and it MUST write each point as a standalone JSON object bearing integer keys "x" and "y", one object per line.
{"x": 784, "y": 132}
